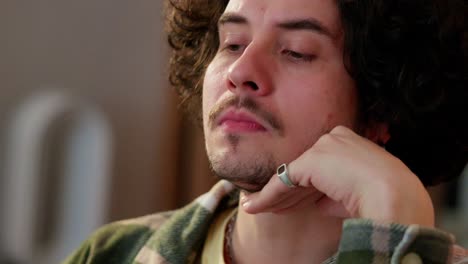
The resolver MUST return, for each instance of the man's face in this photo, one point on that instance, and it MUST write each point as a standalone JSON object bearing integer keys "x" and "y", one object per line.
{"x": 277, "y": 83}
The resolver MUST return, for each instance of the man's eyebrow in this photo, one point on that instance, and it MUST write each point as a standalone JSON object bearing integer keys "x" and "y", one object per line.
{"x": 311, "y": 24}
{"x": 232, "y": 18}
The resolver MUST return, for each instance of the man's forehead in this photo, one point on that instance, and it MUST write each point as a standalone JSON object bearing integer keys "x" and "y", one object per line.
{"x": 277, "y": 11}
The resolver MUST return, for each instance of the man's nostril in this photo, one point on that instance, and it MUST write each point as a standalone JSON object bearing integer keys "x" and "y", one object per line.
{"x": 252, "y": 85}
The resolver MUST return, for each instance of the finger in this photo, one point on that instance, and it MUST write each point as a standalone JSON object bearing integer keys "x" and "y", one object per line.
{"x": 274, "y": 191}
{"x": 317, "y": 169}
{"x": 291, "y": 200}
{"x": 297, "y": 201}
{"x": 280, "y": 199}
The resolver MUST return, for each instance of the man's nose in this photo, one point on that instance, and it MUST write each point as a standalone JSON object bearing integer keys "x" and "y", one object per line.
{"x": 250, "y": 73}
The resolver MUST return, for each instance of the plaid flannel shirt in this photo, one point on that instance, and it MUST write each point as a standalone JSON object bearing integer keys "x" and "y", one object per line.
{"x": 178, "y": 236}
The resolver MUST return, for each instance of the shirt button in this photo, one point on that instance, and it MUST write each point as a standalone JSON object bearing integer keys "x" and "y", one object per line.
{"x": 411, "y": 258}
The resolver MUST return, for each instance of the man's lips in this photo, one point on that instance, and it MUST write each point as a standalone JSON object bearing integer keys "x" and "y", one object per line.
{"x": 240, "y": 121}
{"x": 243, "y": 114}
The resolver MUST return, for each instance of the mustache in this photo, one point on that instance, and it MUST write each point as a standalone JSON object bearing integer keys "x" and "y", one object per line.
{"x": 248, "y": 104}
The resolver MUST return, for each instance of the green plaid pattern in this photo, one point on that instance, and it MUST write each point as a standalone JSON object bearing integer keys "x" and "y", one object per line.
{"x": 177, "y": 237}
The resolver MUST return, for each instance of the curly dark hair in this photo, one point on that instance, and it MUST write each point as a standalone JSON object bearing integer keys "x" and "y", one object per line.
{"x": 409, "y": 59}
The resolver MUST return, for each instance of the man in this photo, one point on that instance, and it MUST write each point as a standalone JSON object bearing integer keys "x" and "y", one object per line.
{"x": 321, "y": 113}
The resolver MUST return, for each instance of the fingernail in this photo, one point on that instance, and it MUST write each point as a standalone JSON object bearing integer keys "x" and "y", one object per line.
{"x": 246, "y": 204}
{"x": 243, "y": 200}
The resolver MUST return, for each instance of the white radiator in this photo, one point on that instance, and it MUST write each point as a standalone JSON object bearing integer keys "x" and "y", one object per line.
{"x": 80, "y": 195}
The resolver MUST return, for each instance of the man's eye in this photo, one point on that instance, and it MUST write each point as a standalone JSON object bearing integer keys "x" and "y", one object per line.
{"x": 299, "y": 56}
{"x": 233, "y": 47}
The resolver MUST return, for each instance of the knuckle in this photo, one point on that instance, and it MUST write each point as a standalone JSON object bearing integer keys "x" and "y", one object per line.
{"x": 326, "y": 140}
{"x": 340, "y": 130}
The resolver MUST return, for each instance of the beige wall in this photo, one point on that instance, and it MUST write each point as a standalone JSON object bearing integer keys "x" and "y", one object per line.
{"x": 108, "y": 52}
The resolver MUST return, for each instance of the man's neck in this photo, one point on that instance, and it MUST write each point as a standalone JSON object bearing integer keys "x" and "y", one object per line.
{"x": 300, "y": 236}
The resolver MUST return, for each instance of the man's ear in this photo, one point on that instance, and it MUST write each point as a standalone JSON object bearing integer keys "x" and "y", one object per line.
{"x": 377, "y": 132}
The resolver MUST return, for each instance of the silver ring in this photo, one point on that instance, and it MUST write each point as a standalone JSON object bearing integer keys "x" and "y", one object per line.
{"x": 282, "y": 172}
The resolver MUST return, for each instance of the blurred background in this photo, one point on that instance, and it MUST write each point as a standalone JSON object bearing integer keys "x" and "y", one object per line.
{"x": 89, "y": 128}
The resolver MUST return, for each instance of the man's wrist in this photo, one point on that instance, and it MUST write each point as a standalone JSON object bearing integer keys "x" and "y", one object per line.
{"x": 392, "y": 205}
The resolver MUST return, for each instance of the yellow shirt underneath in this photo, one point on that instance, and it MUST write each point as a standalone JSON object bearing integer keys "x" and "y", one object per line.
{"x": 214, "y": 243}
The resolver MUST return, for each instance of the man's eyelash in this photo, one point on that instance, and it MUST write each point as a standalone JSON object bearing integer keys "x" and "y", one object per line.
{"x": 233, "y": 47}
{"x": 299, "y": 56}
{"x": 290, "y": 53}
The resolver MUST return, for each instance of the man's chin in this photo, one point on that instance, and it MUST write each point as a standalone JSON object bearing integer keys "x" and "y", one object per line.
{"x": 248, "y": 172}
{"x": 249, "y": 182}
{"x": 248, "y": 187}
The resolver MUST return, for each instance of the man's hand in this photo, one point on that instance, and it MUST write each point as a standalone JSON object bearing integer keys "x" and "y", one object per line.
{"x": 350, "y": 176}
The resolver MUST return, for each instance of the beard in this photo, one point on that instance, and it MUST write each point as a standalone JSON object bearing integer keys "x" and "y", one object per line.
{"x": 248, "y": 173}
